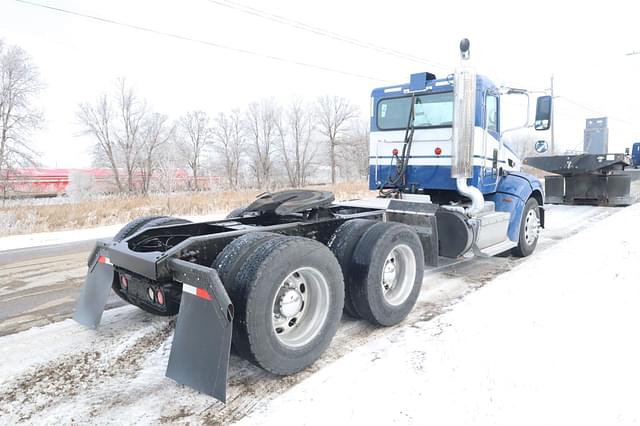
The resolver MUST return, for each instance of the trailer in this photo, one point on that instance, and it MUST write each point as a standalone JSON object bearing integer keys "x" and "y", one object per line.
{"x": 589, "y": 179}
{"x": 271, "y": 281}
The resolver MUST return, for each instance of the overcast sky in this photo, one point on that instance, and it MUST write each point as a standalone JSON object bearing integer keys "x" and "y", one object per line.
{"x": 521, "y": 43}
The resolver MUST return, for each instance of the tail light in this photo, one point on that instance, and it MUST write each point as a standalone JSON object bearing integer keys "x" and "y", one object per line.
{"x": 160, "y": 297}
{"x": 124, "y": 282}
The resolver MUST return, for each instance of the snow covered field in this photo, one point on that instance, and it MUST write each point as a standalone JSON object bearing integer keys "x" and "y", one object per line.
{"x": 550, "y": 339}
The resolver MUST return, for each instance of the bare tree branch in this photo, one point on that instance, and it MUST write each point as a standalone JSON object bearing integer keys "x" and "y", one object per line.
{"x": 194, "y": 136}
{"x": 294, "y": 128}
{"x": 334, "y": 114}
{"x": 20, "y": 83}
{"x": 260, "y": 125}
{"x": 231, "y": 143}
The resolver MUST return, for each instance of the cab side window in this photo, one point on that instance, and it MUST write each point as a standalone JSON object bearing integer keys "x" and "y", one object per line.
{"x": 492, "y": 113}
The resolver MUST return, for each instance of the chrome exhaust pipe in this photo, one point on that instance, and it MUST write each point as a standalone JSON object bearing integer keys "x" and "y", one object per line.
{"x": 464, "y": 118}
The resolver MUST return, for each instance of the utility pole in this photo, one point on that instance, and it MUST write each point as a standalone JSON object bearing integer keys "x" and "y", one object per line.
{"x": 553, "y": 120}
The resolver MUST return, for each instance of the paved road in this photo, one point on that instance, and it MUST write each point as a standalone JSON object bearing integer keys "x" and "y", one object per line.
{"x": 39, "y": 285}
{"x": 31, "y": 253}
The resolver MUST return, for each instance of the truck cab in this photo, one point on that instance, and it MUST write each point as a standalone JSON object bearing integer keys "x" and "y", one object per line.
{"x": 429, "y": 168}
{"x": 439, "y": 141}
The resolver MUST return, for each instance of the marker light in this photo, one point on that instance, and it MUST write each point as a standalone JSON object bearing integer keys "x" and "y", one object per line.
{"x": 438, "y": 150}
{"x": 395, "y": 152}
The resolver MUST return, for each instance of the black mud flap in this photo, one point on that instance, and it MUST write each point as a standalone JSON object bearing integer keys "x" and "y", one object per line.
{"x": 201, "y": 344}
{"x": 95, "y": 292}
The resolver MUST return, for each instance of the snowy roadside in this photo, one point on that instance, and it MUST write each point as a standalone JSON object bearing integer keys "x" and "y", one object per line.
{"x": 15, "y": 242}
{"x": 553, "y": 341}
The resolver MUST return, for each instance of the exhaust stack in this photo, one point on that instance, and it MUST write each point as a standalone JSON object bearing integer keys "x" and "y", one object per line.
{"x": 463, "y": 129}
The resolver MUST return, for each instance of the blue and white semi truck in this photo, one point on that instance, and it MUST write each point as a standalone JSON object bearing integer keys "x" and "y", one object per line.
{"x": 270, "y": 282}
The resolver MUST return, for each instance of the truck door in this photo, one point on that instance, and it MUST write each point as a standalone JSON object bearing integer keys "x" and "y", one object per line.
{"x": 490, "y": 143}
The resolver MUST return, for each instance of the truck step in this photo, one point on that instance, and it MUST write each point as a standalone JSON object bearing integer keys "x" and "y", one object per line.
{"x": 495, "y": 249}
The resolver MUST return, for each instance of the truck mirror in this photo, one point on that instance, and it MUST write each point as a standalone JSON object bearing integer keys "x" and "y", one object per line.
{"x": 541, "y": 146}
{"x": 543, "y": 113}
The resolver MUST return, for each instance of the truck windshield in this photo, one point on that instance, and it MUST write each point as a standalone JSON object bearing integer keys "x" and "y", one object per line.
{"x": 432, "y": 110}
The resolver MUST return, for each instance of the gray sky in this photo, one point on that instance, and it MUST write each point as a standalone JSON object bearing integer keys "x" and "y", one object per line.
{"x": 521, "y": 43}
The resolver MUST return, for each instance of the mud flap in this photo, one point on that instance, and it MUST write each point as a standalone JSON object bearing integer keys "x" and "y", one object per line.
{"x": 202, "y": 341}
{"x": 95, "y": 291}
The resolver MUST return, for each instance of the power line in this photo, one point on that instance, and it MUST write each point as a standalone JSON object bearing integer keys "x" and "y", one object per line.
{"x": 200, "y": 41}
{"x": 578, "y": 104}
{"x": 323, "y": 32}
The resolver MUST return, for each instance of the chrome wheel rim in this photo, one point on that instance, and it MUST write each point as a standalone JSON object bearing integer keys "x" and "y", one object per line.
{"x": 531, "y": 227}
{"x": 398, "y": 275}
{"x": 300, "y": 307}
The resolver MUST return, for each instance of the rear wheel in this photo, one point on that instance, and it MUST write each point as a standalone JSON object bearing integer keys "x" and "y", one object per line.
{"x": 529, "y": 229}
{"x": 288, "y": 301}
{"x": 133, "y": 227}
{"x": 237, "y": 212}
{"x": 233, "y": 256}
{"x": 145, "y": 222}
{"x": 342, "y": 244}
{"x": 386, "y": 273}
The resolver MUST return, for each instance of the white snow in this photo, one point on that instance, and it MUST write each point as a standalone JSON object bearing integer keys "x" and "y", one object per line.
{"x": 553, "y": 341}
{"x": 15, "y": 242}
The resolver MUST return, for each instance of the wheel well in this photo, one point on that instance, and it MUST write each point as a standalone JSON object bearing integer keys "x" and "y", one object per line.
{"x": 538, "y": 196}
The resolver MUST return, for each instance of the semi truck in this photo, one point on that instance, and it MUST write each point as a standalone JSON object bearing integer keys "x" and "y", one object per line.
{"x": 271, "y": 281}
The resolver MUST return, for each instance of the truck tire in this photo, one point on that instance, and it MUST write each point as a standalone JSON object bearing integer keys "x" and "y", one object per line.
{"x": 529, "y": 229}
{"x": 163, "y": 221}
{"x": 237, "y": 212}
{"x": 386, "y": 273}
{"x": 233, "y": 256}
{"x": 146, "y": 222}
{"x": 133, "y": 227}
{"x": 288, "y": 301}
{"x": 342, "y": 244}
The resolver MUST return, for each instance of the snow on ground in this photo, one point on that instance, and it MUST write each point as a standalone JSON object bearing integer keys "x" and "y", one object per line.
{"x": 15, "y": 242}
{"x": 63, "y": 373}
{"x": 553, "y": 341}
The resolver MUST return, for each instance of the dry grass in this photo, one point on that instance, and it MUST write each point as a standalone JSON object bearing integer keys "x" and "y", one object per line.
{"x": 24, "y": 219}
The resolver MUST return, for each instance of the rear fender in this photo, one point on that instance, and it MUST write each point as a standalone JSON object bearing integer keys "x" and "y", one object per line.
{"x": 513, "y": 192}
